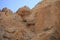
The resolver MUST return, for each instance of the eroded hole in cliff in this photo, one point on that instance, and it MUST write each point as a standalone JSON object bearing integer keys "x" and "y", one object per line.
{"x": 29, "y": 24}
{"x": 24, "y": 20}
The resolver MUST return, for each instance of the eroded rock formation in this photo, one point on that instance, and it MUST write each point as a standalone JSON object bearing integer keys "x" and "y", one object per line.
{"x": 39, "y": 23}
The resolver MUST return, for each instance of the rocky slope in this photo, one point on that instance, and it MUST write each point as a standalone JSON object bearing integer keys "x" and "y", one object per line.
{"x": 39, "y": 23}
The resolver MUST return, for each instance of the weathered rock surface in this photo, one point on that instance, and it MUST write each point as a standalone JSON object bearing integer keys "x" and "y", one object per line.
{"x": 24, "y": 11}
{"x": 47, "y": 20}
{"x": 40, "y": 23}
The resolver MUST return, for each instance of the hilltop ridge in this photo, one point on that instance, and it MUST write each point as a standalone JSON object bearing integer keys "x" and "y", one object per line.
{"x": 39, "y": 23}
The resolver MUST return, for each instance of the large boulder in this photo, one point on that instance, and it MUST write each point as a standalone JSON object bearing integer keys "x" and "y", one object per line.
{"x": 7, "y": 11}
{"x": 24, "y": 11}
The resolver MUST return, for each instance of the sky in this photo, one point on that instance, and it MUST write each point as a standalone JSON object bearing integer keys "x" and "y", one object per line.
{"x": 15, "y": 4}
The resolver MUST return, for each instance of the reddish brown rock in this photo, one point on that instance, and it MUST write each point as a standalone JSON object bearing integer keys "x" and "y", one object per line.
{"x": 24, "y": 11}
{"x": 7, "y": 11}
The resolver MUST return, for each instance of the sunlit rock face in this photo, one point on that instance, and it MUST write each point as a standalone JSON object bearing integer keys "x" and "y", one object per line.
{"x": 47, "y": 20}
{"x": 39, "y": 23}
{"x": 27, "y": 16}
{"x": 13, "y": 27}
{"x": 6, "y": 10}
{"x": 24, "y": 11}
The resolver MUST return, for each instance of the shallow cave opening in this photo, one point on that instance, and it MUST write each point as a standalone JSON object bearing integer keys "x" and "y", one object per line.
{"x": 29, "y": 24}
{"x": 24, "y": 20}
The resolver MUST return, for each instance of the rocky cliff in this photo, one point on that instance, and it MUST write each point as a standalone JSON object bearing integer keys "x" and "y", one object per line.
{"x": 39, "y": 23}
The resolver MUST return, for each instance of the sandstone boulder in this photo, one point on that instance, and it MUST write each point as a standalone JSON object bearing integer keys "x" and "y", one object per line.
{"x": 24, "y": 11}
{"x": 7, "y": 11}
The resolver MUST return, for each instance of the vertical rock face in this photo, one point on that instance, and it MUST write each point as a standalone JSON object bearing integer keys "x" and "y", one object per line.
{"x": 47, "y": 20}
{"x": 40, "y": 23}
